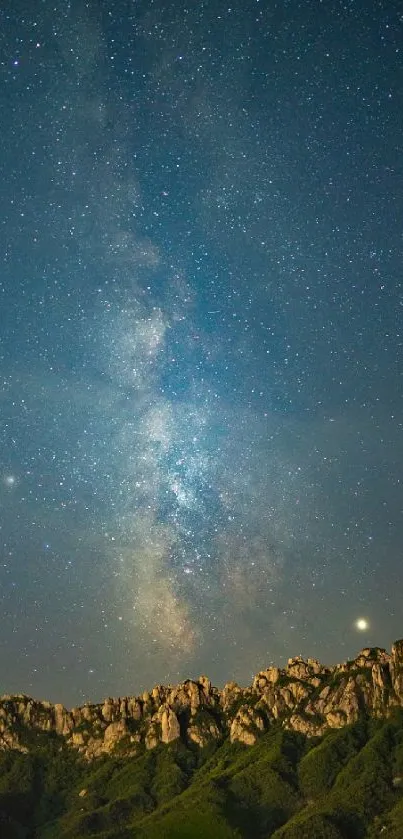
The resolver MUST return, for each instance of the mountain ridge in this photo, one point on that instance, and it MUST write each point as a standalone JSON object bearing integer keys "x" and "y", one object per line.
{"x": 304, "y": 752}
{"x": 305, "y": 697}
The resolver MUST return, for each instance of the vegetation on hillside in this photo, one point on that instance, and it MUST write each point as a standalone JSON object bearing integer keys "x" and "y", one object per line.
{"x": 345, "y": 785}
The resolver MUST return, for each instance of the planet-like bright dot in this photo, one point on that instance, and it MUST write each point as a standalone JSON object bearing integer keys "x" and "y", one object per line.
{"x": 361, "y": 624}
{"x": 9, "y": 480}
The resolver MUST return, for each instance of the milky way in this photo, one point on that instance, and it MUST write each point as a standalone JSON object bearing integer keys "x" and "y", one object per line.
{"x": 201, "y": 351}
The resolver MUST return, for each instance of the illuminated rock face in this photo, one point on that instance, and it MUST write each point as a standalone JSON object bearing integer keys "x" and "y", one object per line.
{"x": 305, "y": 696}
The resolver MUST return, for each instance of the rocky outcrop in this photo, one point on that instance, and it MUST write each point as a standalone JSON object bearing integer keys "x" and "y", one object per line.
{"x": 304, "y": 696}
{"x": 246, "y": 726}
{"x": 170, "y": 728}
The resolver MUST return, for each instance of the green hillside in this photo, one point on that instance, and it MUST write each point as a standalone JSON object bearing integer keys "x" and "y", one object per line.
{"x": 345, "y": 785}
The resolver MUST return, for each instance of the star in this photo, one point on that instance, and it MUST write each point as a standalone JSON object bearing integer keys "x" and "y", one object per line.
{"x": 361, "y": 624}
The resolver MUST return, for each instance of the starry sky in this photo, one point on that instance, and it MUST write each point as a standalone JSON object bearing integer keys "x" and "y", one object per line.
{"x": 200, "y": 339}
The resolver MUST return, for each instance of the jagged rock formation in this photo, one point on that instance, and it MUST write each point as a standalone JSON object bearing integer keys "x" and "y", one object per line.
{"x": 305, "y": 696}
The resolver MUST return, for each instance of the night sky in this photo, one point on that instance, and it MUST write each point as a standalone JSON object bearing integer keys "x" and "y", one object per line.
{"x": 201, "y": 334}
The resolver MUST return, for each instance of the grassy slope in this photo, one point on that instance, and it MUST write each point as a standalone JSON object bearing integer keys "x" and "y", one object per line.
{"x": 343, "y": 786}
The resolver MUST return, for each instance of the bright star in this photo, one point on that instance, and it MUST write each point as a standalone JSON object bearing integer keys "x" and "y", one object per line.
{"x": 361, "y": 624}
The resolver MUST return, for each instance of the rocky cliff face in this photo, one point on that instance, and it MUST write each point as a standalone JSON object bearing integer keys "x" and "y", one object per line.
{"x": 305, "y": 696}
